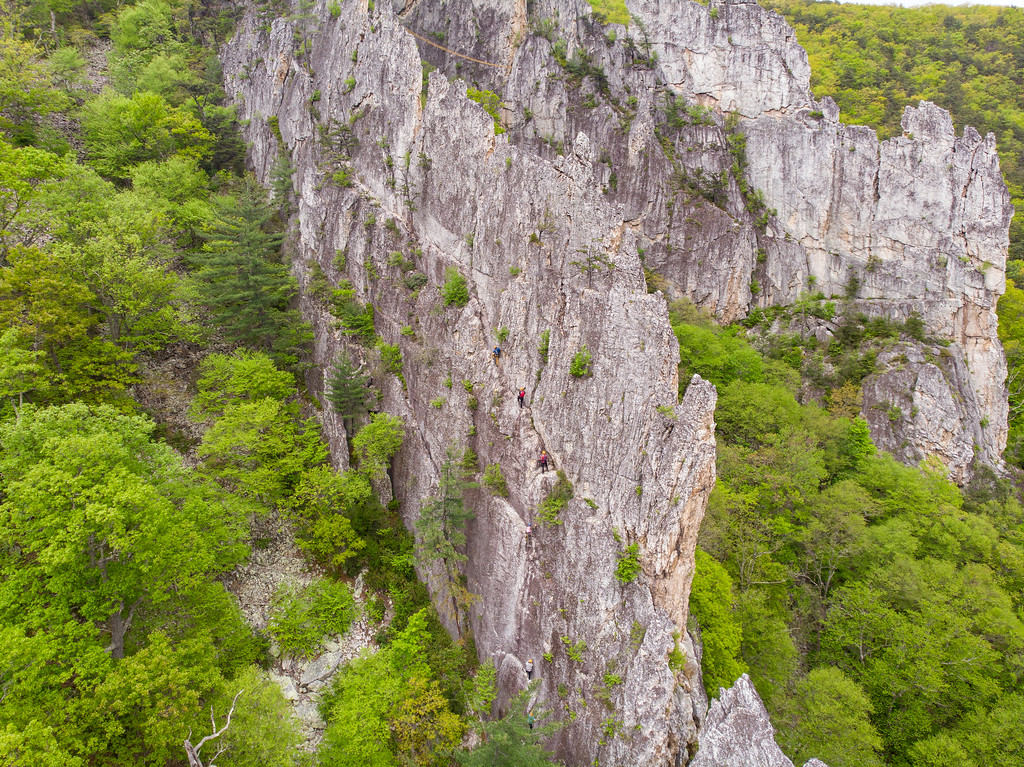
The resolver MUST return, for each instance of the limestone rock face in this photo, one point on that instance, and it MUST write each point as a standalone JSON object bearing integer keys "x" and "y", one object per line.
{"x": 737, "y": 732}
{"x": 919, "y": 222}
{"x": 739, "y": 59}
{"x": 430, "y": 188}
{"x": 921, "y": 403}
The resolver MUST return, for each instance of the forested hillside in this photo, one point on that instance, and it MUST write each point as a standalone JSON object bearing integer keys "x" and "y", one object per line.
{"x": 876, "y": 60}
{"x": 877, "y": 607}
{"x": 132, "y": 243}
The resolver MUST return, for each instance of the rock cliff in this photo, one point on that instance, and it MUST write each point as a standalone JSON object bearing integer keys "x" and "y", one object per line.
{"x": 737, "y": 732}
{"x": 913, "y": 225}
{"x": 779, "y": 201}
{"x": 546, "y": 256}
{"x": 617, "y": 157}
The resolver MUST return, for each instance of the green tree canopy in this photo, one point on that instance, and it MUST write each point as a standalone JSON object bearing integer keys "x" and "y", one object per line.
{"x": 385, "y": 709}
{"x": 831, "y": 721}
{"x": 376, "y": 444}
{"x": 711, "y": 602}
{"x": 347, "y": 389}
{"x": 121, "y": 132}
{"x": 97, "y": 519}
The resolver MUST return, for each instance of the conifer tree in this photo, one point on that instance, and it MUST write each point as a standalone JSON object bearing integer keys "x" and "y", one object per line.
{"x": 515, "y": 740}
{"x": 347, "y": 390}
{"x": 442, "y": 526}
{"x": 281, "y": 173}
{"x": 243, "y": 281}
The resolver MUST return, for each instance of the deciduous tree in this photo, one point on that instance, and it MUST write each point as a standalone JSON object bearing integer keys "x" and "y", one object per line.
{"x": 97, "y": 519}
{"x": 376, "y": 444}
{"x": 122, "y": 132}
{"x": 830, "y": 720}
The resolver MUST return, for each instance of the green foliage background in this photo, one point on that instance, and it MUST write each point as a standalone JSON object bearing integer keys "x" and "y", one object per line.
{"x": 861, "y": 595}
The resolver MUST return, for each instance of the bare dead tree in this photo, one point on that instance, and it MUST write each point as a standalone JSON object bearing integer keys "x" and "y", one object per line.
{"x": 193, "y": 751}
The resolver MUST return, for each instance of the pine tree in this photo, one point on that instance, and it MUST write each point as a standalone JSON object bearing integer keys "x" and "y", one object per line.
{"x": 242, "y": 279}
{"x": 281, "y": 173}
{"x": 442, "y": 526}
{"x": 347, "y": 390}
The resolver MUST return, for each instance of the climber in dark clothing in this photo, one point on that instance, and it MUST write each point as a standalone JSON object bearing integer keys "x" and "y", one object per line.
{"x": 522, "y": 396}
{"x": 543, "y": 461}
{"x": 496, "y": 354}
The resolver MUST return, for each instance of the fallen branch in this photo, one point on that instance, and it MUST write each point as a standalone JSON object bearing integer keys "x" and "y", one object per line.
{"x": 193, "y": 751}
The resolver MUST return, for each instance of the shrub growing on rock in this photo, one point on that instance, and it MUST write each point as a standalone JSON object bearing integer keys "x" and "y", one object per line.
{"x": 628, "y": 567}
{"x": 556, "y": 500}
{"x": 495, "y": 482}
{"x": 454, "y": 292}
{"x": 301, "y": 617}
{"x": 580, "y": 366}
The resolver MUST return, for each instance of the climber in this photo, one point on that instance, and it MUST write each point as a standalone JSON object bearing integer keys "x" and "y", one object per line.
{"x": 529, "y": 721}
{"x": 496, "y": 354}
{"x": 529, "y": 670}
{"x": 543, "y": 461}
{"x": 529, "y": 534}
{"x": 522, "y": 396}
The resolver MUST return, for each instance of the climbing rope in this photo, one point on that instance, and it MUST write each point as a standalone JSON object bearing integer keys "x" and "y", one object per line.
{"x": 454, "y": 53}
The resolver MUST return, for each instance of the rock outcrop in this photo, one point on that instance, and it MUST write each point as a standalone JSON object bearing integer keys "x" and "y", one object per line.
{"x": 276, "y": 561}
{"x": 737, "y": 732}
{"x": 617, "y": 159}
{"x": 919, "y": 225}
{"x": 915, "y": 225}
{"x": 548, "y": 261}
